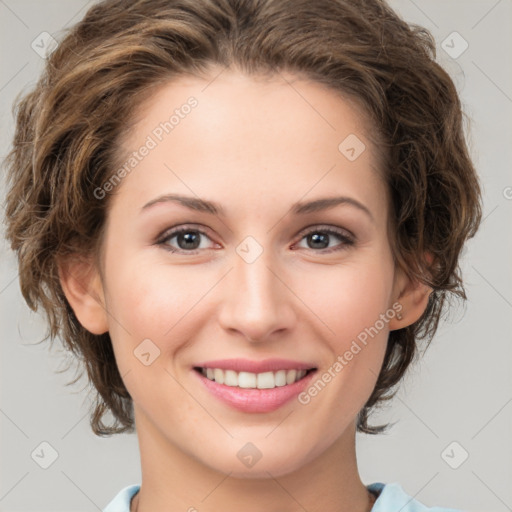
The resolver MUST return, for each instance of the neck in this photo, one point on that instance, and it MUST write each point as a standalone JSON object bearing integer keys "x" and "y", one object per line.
{"x": 175, "y": 481}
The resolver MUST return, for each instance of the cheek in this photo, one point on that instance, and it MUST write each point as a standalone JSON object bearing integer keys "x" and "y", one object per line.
{"x": 348, "y": 298}
{"x": 154, "y": 301}
{"x": 352, "y": 305}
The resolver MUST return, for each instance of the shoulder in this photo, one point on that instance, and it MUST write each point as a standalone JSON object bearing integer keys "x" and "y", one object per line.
{"x": 392, "y": 498}
{"x": 121, "y": 502}
{"x": 390, "y": 495}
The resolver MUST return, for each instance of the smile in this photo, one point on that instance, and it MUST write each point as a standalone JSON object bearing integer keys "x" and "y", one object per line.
{"x": 249, "y": 380}
{"x": 254, "y": 386}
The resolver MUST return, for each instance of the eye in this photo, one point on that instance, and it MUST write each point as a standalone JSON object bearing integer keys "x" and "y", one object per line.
{"x": 321, "y": 237}
{"x": 187, "y": 239}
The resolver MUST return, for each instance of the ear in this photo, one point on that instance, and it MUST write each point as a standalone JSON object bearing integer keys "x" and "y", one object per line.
{"x": 82, "y": 286}
{"x": 412, "y": 295}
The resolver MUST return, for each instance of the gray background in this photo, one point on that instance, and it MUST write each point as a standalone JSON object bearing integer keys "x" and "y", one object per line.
{"x": 461, "y": 391}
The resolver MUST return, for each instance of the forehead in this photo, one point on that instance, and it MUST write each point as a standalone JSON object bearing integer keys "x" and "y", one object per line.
{"x": 229, "y": 98}
{"x": 275, "y": 136}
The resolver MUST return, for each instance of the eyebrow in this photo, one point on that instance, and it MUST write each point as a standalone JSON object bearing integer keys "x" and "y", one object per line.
{"x": 300, "y": 208}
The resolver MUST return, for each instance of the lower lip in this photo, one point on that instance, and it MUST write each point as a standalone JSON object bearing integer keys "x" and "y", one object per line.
{"x": 255, "y": 400}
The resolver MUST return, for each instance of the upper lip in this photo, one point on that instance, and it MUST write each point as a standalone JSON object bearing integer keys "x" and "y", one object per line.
{"x": 247, "y": 365}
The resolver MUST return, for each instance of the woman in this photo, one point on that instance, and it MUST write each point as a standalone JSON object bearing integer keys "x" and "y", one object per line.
{"x": 242, "y": 216}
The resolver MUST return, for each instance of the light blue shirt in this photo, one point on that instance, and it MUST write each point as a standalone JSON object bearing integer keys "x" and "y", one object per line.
{"x": 392, "y": 498}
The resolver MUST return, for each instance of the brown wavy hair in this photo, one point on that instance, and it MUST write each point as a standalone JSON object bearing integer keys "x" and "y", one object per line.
{"x": 69, "y": 125}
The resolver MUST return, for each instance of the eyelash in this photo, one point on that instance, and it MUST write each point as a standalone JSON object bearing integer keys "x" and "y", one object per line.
{"x": 347, "y": 241}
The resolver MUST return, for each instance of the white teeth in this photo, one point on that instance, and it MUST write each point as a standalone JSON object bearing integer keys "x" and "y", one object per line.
{"x": 280, "y": 378}
{"x": 218, "y": 375}
{"x": 230, "y": 378}
{"x": 248, "y": 380}
{"x": 291, "y": 376}
{"x": 266, "y": 380}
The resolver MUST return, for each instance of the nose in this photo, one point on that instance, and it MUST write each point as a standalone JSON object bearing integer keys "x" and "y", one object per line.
{"x": 256, "y": 302}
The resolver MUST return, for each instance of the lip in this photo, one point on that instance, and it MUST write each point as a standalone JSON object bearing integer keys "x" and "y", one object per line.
{"x": 247, "y": 365}
{"x": 255, "y": 400}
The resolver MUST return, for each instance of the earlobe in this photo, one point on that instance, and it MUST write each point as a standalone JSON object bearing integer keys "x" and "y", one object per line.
{"x": 413, "y": 301}
{"x": 82, "y": 286}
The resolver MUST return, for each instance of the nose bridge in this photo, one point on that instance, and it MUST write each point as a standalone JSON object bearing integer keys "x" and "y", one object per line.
{"x": 256, "y": 302}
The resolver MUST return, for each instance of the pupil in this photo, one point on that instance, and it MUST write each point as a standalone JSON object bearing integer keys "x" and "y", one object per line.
{"x": 190, "y": 239}
{"x": 321, "y": 239}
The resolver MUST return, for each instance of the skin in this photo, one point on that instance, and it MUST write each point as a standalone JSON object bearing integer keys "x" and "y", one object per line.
{"x": 255, "y": 147}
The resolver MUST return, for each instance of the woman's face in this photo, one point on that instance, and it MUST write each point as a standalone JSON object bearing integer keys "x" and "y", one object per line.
{"x": 263, "y": 277}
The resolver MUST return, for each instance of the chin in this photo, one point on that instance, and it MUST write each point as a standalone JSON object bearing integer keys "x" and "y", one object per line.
{"x": 262, "y": 472}
{"x": 262, "y": 469}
